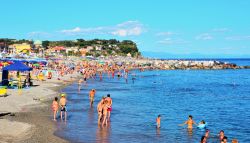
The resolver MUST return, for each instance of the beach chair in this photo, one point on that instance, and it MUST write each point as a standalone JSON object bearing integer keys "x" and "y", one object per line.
{"x": 3, "y": 91}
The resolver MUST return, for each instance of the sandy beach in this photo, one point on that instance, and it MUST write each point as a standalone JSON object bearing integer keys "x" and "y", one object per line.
{"x": 29, "y": 117}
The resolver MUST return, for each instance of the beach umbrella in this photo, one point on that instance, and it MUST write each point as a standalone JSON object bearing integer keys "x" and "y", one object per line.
{"x": 5, "y": 63}
{"x": 9, "y": 62}
{"x": 119, "y": 63}
{"x": 36, "y": 65}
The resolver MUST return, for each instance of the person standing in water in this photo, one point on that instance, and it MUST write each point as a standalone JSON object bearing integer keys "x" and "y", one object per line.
{"x": 79, "y": 84}
{"x": 100, "y": 109}
{"x": 109, "y": 104}
{"x": 158, "y": 121}
{"x": 221, "y": 135}
{"x": 189, "y": 122}
{"x": 62, "y": 104}
{"x": 92, "y": 96}
{"x": 203, "y": 139}
{"x": 105, "y": 113}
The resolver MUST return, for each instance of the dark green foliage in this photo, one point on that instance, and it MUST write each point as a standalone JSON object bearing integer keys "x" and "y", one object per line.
{"x": 108, "y": 46}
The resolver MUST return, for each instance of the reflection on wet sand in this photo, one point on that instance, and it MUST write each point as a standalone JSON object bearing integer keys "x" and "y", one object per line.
{"x": 158, "y": 132}
{"x": 91, "y": 115}
{"x": 103, "y": 134}
{"x": 190, "y": 132}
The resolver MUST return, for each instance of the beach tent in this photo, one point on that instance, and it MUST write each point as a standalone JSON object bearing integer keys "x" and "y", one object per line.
{"x": 17, "y": 66}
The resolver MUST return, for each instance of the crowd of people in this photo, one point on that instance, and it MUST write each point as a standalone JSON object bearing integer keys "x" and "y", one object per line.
{"x": 104, "y": 106}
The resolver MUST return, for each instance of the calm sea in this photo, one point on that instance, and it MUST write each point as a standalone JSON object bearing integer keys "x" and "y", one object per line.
{"x": 220, "y": 97}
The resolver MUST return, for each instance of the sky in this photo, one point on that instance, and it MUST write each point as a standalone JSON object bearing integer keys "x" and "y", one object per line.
{"x": 163, "y": 28}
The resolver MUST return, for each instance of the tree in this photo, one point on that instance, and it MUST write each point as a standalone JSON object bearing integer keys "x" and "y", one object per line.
{"x": 45, "y": 44}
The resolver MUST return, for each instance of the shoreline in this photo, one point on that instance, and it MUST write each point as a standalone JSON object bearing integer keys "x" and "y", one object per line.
{"x": 32, "y": 121}
{"x": 30, "y": 112}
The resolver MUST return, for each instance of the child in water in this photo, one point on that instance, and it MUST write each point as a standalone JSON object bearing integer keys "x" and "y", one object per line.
{"x": 158, "y": 121}
{"x": 202, "y": 125}
{"x": 55, "y": 107}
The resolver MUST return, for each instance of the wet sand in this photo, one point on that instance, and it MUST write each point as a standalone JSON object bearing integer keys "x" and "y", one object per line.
{"x": 30, "y": 120}
{"x": 42, "y": 127}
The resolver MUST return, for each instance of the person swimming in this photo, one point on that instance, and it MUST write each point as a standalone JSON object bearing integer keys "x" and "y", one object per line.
{"x": 235, "y": 141}
{"x": 203, "y": 139}
{"x": 221, "y": 135}
{"x": 202, "y": 125}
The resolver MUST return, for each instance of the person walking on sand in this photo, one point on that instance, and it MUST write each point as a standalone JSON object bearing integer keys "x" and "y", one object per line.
{"x": 189, "y": 122}
{"x": 109, "y": 104}
{"x": 55, "y": 108}
{"x": 92, "y": 96}
{"x": 158, "y": 121}
{"x": 62, "y": 104}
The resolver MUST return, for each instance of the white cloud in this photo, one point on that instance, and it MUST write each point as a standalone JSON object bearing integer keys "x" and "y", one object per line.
{"x": 129, "y": 28}
{"x": 237, "y": 38}
{"x": 221, "y": 30}
{"x": 204, "y": 36}
{"x": 170, "y": 41}
{"x": 128, "y": 32}
{"x": 39, "y": 34}
{"x": 75, "y": 30}
{"x": 165, "y": 34}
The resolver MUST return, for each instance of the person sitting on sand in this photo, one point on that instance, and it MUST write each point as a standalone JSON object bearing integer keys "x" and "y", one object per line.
{"x": 92, "y": 96}
{"x": 189, "y": 122}
{"x": 62, "y": 104}
{"x": 55, "y": 107}
{"x": 158, "y": 121}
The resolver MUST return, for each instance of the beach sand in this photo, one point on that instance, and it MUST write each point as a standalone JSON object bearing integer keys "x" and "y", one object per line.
{"x": 31, "y": 117}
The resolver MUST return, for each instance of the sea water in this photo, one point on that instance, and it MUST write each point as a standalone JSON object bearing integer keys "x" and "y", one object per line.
{"x": 220, "y": 97}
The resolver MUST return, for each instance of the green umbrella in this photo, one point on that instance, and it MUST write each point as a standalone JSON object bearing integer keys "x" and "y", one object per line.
{"x": 37, "y": 65}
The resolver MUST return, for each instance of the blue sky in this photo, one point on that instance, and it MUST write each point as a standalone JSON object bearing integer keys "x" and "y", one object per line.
{"x": 193, "y": 28}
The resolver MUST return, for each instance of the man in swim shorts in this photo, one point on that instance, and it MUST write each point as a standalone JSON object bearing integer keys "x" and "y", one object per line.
{"x": 109, "y": 104}
{"x": 62, "y": 104}
{"x": 92, "y": 96}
